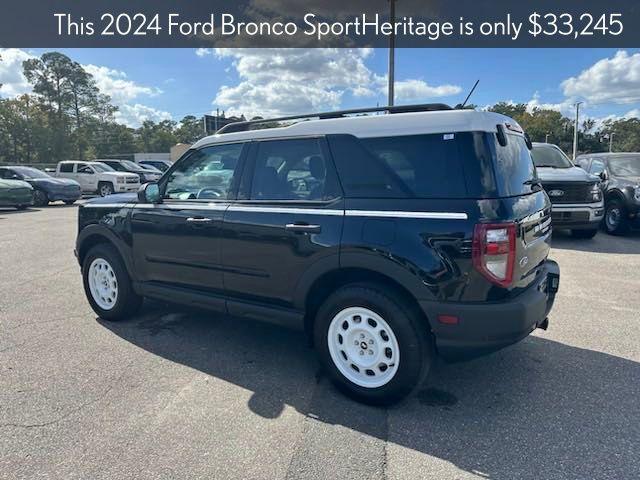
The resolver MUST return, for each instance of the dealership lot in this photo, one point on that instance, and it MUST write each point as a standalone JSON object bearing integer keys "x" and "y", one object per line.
{"x": 176, "y": 394}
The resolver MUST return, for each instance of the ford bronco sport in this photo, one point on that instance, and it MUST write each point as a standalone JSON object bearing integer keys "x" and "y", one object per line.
{"x": 389, "y": 239}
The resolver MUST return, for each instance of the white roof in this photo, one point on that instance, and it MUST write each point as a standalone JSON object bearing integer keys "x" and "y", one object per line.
{"x": 389, "y": 125}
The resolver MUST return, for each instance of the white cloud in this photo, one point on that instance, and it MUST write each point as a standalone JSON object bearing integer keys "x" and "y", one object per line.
{"x": 610, "y": 80}
{"x": 288, "y": 81}
{"x": 421, "y": 90}
{"x": 600, "y": 121}
{"x": 134, "y": 115}
{"x": 13, "y": 81}
{"x": 565, "y": 107}
{"x": 116, "y": 84}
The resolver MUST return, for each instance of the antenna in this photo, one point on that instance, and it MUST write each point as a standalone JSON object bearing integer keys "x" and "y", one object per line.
{"x": 470, "y": 93}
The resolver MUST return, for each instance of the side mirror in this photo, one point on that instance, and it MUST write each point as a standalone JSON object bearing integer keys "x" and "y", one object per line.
{"x": 149, "y": 193}
{"x": 604, "y": 176}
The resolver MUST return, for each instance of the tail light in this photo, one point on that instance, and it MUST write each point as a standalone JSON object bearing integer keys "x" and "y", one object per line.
{"x": 494, "y": 251}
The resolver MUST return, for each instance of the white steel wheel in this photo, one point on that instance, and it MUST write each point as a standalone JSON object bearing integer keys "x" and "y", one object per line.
{"x": 103, "y": 284}
{"x": 363, "y": 347}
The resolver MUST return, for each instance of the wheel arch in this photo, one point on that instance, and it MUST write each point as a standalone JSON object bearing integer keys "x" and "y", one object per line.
{"x": 332, "y": 280}
{"x": 93, "y": 235}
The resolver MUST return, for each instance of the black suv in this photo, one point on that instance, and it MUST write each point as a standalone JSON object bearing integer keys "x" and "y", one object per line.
{"x": 620, "y": 174}
{"x": 146, "y": 173}
{"x": 387, "y": 238}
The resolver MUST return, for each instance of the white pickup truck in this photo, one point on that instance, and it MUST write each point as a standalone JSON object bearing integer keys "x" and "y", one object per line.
{"x": 96, "y": 177}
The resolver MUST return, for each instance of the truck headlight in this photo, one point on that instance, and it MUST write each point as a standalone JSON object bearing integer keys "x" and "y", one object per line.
{"x": 596, "y": 193}
{"x": 120, "y": 180}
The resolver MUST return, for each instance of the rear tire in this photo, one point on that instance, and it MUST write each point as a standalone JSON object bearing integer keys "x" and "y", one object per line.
{"x": 584, "y": 234}
{"x": 105, "y": 188}
{"x": 107, "y": 284}
{"x": 40, "y": 198}
{"x": 615, "y": 218}
{"x": 374, "y": 347}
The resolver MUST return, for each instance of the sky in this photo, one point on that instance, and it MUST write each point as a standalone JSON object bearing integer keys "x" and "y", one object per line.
{"x": 163, "y": 84}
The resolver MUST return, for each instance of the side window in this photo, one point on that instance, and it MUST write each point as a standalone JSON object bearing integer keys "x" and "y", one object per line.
{"x": 66, "y": 167}
{"x": 204, "y": 174}
{"x": 84, "y": 168}
{"x": 597, "y": 166}
{"x": 5, "y": 173}
{"x": 293, "y": 170}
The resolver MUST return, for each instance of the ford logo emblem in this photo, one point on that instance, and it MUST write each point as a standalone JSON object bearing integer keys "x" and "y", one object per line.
{"x": 556, "y": 193}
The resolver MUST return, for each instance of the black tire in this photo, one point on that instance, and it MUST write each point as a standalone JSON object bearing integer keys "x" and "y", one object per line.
{"x": 416, "y": 350}
{"x": 40, "y": 198}
{"x": 105, "y": 188}
{"x": 69, "y": 202}
{"x": 615, "y": 218}
{"x": 127, "y": 302}
{"x": 584, "y": 234}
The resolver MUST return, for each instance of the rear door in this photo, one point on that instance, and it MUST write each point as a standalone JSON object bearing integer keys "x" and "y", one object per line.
{"x": 177, "y": 242}
{"x": 286, "y": 222}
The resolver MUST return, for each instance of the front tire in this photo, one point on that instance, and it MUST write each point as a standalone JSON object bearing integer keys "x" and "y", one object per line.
{"x": 105, "y": 188}
{"x": 615, "y": 218}
{"x": 584, "y": 234}
{"x": 107, "y": 284}
{"x": 40, "y": 198}
{"x": 374, "y": 347}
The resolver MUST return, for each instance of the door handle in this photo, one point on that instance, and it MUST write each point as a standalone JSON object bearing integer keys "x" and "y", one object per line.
{"x": 302, "y": 228}
{"x": 198, "y": 220}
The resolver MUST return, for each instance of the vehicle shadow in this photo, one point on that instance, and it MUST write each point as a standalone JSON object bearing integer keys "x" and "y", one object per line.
{"x": 13, "y": 211}
{"x": 539, "y": 409}
{"x": 601, "y": 243}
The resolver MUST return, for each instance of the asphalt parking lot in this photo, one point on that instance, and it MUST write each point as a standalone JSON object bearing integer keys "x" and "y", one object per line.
{"x": 175, "y": 394}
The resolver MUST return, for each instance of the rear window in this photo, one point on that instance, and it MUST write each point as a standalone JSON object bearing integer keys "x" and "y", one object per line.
{"x": 514, "y": 167}
{"x": 450, "y": 165}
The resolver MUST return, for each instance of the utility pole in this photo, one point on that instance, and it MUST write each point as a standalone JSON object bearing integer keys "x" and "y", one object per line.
{"x": 546, "y": 138}
{"x": 575, "y": 131}
{"x": 392, "y": 48}
{"x": 611, "y": 141}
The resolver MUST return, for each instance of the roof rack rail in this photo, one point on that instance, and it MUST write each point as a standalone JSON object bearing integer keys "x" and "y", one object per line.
{"x": 425, "y": 107}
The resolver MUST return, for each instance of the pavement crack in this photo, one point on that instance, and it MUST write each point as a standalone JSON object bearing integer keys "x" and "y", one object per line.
{"x": 72, "y": 411}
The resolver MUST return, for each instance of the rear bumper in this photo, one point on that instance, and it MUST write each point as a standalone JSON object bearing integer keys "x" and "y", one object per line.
{"x": 577, "y": 216}
{"x": 486, "y": 327}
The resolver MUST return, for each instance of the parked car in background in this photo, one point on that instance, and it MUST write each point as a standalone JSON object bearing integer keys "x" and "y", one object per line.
{"x": 389, "y": 239}
{"x": 15, "y": 193}
{"x": 620, "y": 174}
{"x": 575, "y": 195}
{"x": 146, "y": 174}
{"x": 46, "y": 188}
{"x": 162, "y": 165}
{"x": 96, "y": 177}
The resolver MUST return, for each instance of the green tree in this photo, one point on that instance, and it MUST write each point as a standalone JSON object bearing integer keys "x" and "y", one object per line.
{"x": 156, "y": 137}
{"x": 189, "y": 130}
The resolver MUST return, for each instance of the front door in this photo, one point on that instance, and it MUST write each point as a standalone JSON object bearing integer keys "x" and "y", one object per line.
{"x": 287, "y": 221}
{"x": 86, "y": 177}
{"x": 177, "y": 242}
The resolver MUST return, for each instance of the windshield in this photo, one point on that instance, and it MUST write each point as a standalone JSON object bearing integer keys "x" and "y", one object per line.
{"x": 549, "y": 156}
{"x": 627, "y": 166}
{"x": 129, "y": 165}
{"x": 29, "y": 173}
{"x": 101, "y": 167}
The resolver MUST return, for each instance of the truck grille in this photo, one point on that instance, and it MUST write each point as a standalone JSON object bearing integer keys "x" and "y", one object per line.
{"x": 133, "y": 180}
{"x": 569, "y": 192}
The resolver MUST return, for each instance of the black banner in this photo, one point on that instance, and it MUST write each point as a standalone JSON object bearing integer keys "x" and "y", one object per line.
{"x": 319, "y": 23}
